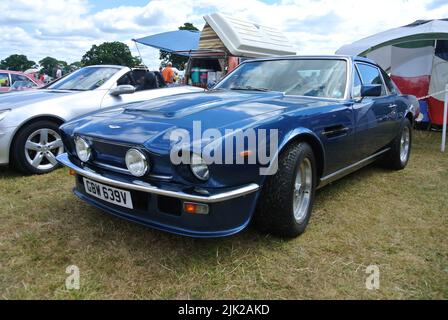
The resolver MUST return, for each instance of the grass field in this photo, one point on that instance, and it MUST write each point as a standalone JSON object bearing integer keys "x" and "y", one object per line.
{"x": 395, "y": 220}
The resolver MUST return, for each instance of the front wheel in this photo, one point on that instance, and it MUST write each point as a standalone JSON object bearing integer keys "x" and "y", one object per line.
{"x": 36, "y": 147}
{"x": 287, "y": 197}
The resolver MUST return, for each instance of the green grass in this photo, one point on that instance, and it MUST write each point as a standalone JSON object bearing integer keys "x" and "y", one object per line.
{"x": 397, "y": 220}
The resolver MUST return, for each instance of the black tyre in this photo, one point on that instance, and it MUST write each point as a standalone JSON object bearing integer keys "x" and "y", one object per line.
{"x": 287, "y": 198}
{"x": 398, "y": 156}
{"x": 36, "y": 146}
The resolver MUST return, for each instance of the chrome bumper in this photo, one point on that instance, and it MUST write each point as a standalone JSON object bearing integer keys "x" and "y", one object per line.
{"x": 139, "y": 185}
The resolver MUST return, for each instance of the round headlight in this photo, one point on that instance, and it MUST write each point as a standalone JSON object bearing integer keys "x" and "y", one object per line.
{"x": 199, "y": 167}
{"x": 136, "y": 162}
{"x": 82, "y": 149}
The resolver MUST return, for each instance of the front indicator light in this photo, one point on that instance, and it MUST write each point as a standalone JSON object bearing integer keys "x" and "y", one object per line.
{"x": 195, "y": 208}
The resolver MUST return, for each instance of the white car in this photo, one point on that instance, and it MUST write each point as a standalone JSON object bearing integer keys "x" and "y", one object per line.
{"x": 30, "y": 120}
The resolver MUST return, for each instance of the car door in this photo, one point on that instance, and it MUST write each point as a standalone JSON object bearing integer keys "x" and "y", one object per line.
{"x": 374, "y": 116}
{"x": 128, "y": 78}
{"x": 25, "y": 82}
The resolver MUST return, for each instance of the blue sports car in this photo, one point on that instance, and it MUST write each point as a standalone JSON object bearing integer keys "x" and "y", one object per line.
{"x": 253, "y": 148}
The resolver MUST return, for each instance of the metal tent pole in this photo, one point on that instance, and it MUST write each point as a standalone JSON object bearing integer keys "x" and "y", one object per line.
{"x": 445, "y": 112}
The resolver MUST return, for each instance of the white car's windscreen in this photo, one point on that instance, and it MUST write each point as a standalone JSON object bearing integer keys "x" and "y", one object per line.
{"x": 85, "y": 79}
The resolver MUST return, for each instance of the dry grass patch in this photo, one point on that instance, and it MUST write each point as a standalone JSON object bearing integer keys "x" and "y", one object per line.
{"x": 396, "y": 220}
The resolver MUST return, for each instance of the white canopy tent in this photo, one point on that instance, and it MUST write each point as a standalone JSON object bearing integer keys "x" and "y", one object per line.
{"x": 416, "y": 56}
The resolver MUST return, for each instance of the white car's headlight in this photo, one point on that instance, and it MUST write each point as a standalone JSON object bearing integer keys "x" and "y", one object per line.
{"x": 82, "y": 149}
{"x": 199, "y": 167}
{"x": 136, "y": 162}
{"x": 3, "y": 113}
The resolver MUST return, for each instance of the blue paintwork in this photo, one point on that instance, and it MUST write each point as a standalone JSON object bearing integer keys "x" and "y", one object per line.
{"x": 370, "y": 126}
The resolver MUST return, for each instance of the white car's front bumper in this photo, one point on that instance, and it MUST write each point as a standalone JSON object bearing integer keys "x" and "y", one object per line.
{"x": 6, "y": 135}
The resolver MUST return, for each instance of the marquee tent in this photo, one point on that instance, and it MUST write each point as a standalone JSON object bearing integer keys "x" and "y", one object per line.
{"x": 416, "y": 56}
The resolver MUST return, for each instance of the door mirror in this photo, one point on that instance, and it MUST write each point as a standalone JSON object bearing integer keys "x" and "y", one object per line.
{"x": 122, "y": 89}
{"x": 371, "y": 90}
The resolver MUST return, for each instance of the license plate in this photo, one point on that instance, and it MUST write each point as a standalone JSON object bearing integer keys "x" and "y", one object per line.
{"x": 113, "y": 195}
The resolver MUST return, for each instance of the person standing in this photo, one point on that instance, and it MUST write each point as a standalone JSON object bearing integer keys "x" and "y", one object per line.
{"x": 58, "y": 72}
{"x": 168, "y": 73}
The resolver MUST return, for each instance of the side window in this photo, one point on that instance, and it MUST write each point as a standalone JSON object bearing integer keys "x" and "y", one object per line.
{"x": 356, "y": 85}
{"x": 371, "y": 75}
{"x": 389, "y": 84}
{"x": 25, "y": 82}
{"x": 126, "y": 79}
{"x": 4, "y": 80}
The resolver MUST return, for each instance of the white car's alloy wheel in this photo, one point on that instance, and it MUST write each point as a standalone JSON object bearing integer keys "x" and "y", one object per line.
{"x": 42, "y": 147}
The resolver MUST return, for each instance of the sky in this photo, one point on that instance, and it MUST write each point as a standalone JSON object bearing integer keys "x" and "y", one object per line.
{"x": 66, "y": 29}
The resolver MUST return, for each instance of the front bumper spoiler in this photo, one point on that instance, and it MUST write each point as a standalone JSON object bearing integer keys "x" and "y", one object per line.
{"x": 139, "y": 185}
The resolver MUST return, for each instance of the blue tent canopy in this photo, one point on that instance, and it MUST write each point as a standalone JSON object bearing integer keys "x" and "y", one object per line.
{"x": 173, "y": 41}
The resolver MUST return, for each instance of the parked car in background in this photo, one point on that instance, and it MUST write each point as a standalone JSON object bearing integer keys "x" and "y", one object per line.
{"x": 15, "y": 80}
{"x": 30, "y": 120}
{"x": 332, "y": 115}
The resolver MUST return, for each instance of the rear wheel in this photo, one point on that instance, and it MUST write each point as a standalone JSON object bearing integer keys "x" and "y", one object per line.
{"x": 287, "y": 197}
{"x": 36, "y": 147}
{"x": 398, "y": 156}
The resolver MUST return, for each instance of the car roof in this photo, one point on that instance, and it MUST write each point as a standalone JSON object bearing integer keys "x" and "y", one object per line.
{"x": 12, "y": 71}
{"x": 106, "y": 66}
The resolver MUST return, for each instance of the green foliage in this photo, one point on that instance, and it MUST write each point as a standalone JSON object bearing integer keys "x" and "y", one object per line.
{"x": 49, "y": 65}
{"x": 74, "y": 66}
{"x": 110, "y": 53}
{"x": 178, "y": 61}
{"x": 16, "y": 62}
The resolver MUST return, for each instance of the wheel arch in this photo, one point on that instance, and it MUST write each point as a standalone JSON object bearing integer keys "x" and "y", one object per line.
{"x": 52, "y": 118}
{"x": 315, "y": 143}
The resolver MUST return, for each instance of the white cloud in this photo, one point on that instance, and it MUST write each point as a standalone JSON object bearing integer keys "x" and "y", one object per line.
{"x": 66, "y": 29}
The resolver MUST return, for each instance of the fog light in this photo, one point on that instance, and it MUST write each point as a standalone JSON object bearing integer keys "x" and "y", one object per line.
{"x": 195, "y": 208}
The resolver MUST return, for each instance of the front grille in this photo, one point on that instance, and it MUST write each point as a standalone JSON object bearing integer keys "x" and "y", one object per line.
{"x": 109, "y": 153}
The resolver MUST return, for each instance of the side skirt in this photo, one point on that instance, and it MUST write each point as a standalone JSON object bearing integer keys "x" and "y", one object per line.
{"x": 351, "y": 168}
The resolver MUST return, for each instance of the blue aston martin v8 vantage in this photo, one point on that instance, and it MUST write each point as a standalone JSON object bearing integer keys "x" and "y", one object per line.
{"x": 253, "y": 148}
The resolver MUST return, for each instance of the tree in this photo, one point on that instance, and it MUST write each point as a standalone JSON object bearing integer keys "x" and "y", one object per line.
{"x": 74, "y": 66}
{"x": 110, "y": 53}
{"x": 49, "y": 65}
{"x": 16, "y": 62}
{"x": 178, "y": 61}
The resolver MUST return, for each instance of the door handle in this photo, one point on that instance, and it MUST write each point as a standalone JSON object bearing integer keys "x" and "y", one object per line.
{"x": 392, "y": 106}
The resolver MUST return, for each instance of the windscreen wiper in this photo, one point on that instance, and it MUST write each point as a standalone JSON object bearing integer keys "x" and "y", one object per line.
{"x": 249, "y": 88}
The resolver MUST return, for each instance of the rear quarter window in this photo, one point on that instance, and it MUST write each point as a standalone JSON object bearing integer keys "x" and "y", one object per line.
{"x": 4, "y": 80}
